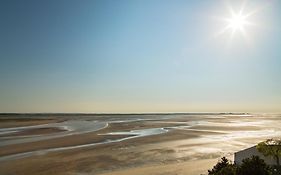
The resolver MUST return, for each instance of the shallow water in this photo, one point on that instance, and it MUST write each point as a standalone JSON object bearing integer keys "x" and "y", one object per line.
{"x": 235, "y": 132}
{"x": 71, "y": 127}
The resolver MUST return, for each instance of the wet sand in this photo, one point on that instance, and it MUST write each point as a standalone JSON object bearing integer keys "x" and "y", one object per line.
{"x": 189, "y": 167}
{"x": 184, "y": 145}
{"x": 36, "y": 131}
{"x": 19, "y": 122}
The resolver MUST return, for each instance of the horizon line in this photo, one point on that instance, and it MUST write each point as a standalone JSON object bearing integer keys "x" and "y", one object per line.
{"x": 130, "y": 113}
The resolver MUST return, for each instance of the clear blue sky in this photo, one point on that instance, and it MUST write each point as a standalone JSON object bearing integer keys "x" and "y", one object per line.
{"x": 137, "y": 56}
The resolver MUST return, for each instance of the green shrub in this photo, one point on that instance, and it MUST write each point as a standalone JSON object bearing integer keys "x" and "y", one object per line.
{"x": 223, "y": 167}
{"x": 253, "y": 165}
{"x": 249, "y": 166}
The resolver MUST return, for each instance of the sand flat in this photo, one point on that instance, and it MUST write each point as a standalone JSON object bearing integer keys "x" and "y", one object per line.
{"x": 190, "y": 167}
{"x": 185, "y": 141}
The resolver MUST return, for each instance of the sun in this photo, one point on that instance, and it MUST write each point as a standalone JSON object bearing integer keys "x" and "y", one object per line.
{"x": 237, "y": 22}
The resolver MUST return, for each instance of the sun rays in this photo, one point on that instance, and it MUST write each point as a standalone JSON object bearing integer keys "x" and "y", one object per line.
{"x": 237, "y": 22}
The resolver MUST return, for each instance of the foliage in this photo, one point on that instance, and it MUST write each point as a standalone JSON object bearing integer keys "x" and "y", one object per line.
{"x": 223, "y": 167}
{"x": 253, "y": 165}
{"x": 276, "y": 170}
{"x": 228, "y": 170}
{"x": 249, "y": 166}
{"x": 271, "y": 147}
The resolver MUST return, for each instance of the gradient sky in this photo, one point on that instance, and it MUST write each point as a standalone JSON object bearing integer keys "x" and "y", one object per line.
{"x": 137, "y": 56}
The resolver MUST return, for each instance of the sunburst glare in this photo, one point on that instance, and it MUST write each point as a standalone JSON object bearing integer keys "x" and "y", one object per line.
{"x": 237, "y": 22}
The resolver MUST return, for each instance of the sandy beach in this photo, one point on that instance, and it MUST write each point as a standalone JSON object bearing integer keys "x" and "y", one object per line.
{"x": 137, "y": 144}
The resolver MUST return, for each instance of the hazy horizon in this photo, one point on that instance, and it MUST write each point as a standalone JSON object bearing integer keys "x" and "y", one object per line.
{"x": 70, "y": 56}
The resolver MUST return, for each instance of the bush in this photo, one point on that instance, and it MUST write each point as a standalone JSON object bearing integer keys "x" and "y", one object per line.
{"x": 223, "y": 167}
{"x": 275, "y": 170}
{"x": 254, "y": 165}
{"x": 249, "y": 166}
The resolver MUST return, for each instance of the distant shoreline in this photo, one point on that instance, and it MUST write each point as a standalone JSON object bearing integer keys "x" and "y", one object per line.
{"x": 156, "y": 113}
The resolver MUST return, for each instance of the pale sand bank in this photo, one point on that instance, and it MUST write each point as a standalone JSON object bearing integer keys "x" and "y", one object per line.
{"x": 196, "y": 167}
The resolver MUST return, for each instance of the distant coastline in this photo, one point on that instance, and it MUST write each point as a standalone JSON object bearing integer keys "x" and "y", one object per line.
{"x": 148, "y": 113}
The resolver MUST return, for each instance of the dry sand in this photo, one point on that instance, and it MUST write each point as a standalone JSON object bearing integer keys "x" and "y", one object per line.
{"x": 181, "y": 151}
{"x": 183, "y": 168}
{"x": 129, "y": 154}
